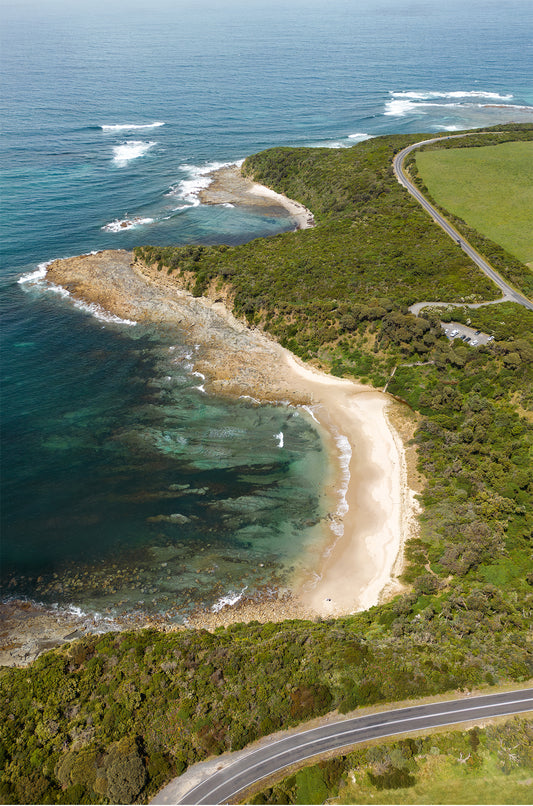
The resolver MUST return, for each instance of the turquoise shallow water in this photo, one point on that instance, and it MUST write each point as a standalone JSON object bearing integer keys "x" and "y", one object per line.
{"x": 124, "y": 485}
{"x": 129, "y": 488}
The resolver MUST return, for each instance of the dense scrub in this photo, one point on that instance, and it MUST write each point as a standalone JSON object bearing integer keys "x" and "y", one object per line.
{"x": 373, "y": 245}
{"x": 111, "y": 719}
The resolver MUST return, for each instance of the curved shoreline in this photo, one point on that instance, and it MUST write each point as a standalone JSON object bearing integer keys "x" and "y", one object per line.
{"x": 362, "y": 552}
{"x": 228, "y": 186}
{"x": 238, "y": 361}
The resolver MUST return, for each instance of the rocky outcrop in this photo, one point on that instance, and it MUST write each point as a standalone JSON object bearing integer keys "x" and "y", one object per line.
{"x": 237, "y": 360}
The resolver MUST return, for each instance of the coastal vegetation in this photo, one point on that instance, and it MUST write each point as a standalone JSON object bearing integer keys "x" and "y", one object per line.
{"x": 112, "y": 718}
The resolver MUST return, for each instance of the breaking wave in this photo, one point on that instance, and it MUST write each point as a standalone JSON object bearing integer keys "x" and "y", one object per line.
{"x": 118, "y": 127}
{"x": 402, "y": 103}
{"x": 228, "y": 600}
{"x": 121, "y": 225}
{"x": 345, "y": 456}
{"x": 426, "y": 96}
{"x": 38, "y": 278}
{"x": 130, "y": 150}
{"x": 199, "y": 178}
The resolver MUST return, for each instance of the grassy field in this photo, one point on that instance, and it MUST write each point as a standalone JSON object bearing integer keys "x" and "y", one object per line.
{"x": 491, "y": 188}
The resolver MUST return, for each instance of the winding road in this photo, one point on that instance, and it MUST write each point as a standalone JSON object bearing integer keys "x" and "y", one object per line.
{"x": 221, "y": 781}
{"x": 249, "y": 767}
{"x": 509, "y": 293}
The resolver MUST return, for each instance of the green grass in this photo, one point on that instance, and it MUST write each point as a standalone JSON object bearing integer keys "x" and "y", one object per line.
{"x": 482, "y": 766}
{"x": 491, "y": 188}
{"x": 444, "y": 780}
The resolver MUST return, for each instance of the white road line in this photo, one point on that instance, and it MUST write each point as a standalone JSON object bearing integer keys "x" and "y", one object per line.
{"x": 464, "y": 710}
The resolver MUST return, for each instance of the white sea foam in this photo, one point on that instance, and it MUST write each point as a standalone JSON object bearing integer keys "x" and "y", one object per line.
{"x": 100, "y": 313}
{"x": 58, "y": 289}
{"x": 334, "y": 144}
{"x": 96, "y": 621}
{"x": 38, "y": 278}
{"x": 345, "y": 456}
{"x": 426, "y": 96}
{"x": 347, "y": 142}
{"x": 228, "y": 600}
{"x": 405, "y": 102}
{"x": 72, "y": 610}
{"x": 121, "y": 225}
{"x": 252, "y": 399}
{"x": 201, "y": 387}
{"x": 117, "y": 127}
{"x": 199, "y": 179}
{"x": 400, "y": 108}
{"x": 35, "y": 276}
{"x": 359, "y": 136}
{"x": 280, "y": 439}
{"x": 130, "y": 150}
{"x": 309, "y": 410}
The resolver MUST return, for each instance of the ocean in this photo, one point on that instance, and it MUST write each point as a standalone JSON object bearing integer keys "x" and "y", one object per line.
{"x": 125, "y": 488}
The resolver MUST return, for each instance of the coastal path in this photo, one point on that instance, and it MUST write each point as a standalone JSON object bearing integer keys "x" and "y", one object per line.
{"x": 223, "y": 784}
{"x": 509, "y": 293}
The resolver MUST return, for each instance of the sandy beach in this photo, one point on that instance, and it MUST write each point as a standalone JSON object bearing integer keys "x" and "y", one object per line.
{"x": 229, "y": 186}
{"x": 372, "y": 513}
{"x": 372, "y": 508}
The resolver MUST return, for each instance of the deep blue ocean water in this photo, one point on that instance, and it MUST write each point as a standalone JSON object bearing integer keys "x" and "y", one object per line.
{"x": 123, "y": 484}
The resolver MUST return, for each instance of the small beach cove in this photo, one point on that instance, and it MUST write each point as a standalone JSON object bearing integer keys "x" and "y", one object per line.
{"x": 372, "y": 502}
{"x": 228, "y": 186}
{"x": 371, "y": 508}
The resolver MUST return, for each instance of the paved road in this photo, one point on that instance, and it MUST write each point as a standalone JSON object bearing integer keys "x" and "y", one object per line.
{"x": 251, "y": 767}
{"x": 398, "y": 161}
